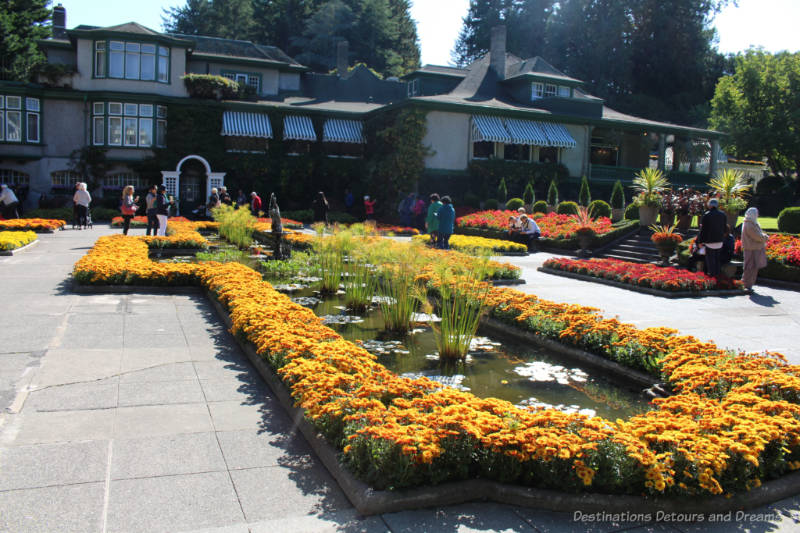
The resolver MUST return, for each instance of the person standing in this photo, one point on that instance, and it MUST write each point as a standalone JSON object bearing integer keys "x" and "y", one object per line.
{"x": 82, "y": 199}
{"x": 255, "y": 203}
{"x": 419, "y": 214}
{"x": 241, "y": 199}
{"x": 224, "y": 197}
{"x": 349, "y": 201}
{"x": 447, "y": 219}
{"x": 213, "y": 203}
{"x": 150, "y": 210}
{"x": 432, "y": 221}
{"x": 754, "y": 248}
{"x": 162, "y": 210}
{"x": 369, "y": 208}
{"x": 173, "y": 207}
{"x": 320, "y": 207}
{"x": 9, "y": 202}
{"x": 712, "y": 231}
{"x": 128, "y": 208}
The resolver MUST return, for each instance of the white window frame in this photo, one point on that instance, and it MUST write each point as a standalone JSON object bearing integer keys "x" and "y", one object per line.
{"x": 162, "y": 65}
{"x": 111, "y": 121}
{"x": 537, "y": 90}
{"x": 145, "y": 132}
{"x": 18, "y": 114}
{"x": 15, "y": 106}
{"x": 113, "y": 106}
{"x": 98, "y": 108}
{"x": 32, "y": 104}
{"x": 564, "y": 91}
{"x": 550, "y": 90}
{"x": 28, "y": 130}
{"x": 64, "y": 178}
{"x": 98, "y": 130}
{"x": 2, "y": 124}
{"x": 161, "y": 111}
{"x": 116, "y": 52}
{"x": 161, "y": 133}
{"x": 99, "y": 59}
{"x": 135, "y": 128}
{"x": 150, "y": 57}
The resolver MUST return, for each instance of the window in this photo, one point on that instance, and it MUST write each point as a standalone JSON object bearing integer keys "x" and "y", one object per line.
{"x": 245, "y": 79}
{"x": 245, "y": 144}
{"x": 128, "y": 124}
{"x": 548, "y": 154}
{"x": 65, "y": 178}
{"x": 14, "y": 177}
{"x": 295, "y": 147}
{"x": 537, "y": 91}
{"x": 412, "y": 88}
{"x": 563, "y": 91}
{"x": 482, "y": 150}
{"x": 131, "y": 61}
{"x": 550, "y": 90}
{"x": 20, "y": 123}
{"x": 120, "y": 180}
{"x": 516, "y": 152}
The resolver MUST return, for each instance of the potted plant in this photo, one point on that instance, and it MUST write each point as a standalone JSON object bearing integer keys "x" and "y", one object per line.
{"x": 552, "y": 197}
{"x": 731, "y": 186}
{"x": 666, "y": 211}
{"x": 666, "y": 240}
{"x": 585, "y": 232}
{"x": 617, "y": 202}
{"x": 649, "y": 183}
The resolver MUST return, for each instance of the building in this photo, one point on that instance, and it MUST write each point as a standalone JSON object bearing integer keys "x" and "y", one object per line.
{"x": 113, "y": 88}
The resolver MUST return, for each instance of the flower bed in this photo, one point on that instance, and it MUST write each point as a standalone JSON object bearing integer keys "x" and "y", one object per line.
{"x": 11, "y": 240}
{"x": 287, "y": 223}
{"x": 734, "y": 420}
{"x": 552, "y": 225}
{"x": 641, "y": 275}
{"x": 32, "y": 224}
{"x": 400, "y": 231}
{"x": 467, "y": 244}
{"x": 141, "y": 221}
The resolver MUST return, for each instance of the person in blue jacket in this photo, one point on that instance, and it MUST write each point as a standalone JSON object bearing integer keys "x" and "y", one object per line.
{"x": 447, "y": 219}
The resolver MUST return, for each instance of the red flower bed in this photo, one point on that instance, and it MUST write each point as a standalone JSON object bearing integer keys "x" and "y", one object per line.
{"x": 642, "y": 275}
{"x": 142, "y": 221}
{"x": 781, "y": 248}
{"x": 385, "y": 229}
{"x": 552, "y": 225}
{"x": 287, "y": 222}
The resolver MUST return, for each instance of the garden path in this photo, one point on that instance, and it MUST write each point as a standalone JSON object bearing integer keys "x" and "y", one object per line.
{"x": 139, "y": 413}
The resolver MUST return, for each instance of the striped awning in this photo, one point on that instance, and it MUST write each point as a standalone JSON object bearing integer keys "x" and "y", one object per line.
{"x": 245, "y": 124}
{"x": 342, "y": 131}
{"x": 491, "y": 129}
{"x": 557, "y": 135}
{"x": 299, "y": 128}
{"x": 526, "y": 132}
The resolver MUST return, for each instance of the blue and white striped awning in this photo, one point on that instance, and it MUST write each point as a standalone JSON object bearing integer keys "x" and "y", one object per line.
{"x": 337, "y": 130}
{"x": 526, "y": 132}
{"x": 299, "y": 128}
{"x": 491, "y": 129}
{"x": 244, "y": 124}
{"x": 557, "y": 135}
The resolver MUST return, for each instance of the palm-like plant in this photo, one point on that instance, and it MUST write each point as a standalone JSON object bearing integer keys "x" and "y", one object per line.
{"x": 584, "y": 220}
{"x": 649, "y": 183}
{"x": 731, "y": 185}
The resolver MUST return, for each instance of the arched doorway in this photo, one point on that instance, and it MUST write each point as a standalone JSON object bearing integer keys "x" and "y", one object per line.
{"x": 191, "y": 182}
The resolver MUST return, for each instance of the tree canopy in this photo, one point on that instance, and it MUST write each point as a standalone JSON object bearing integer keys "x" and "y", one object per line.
{"x": 759, "y": 107}
{"x": 381, "y": 33}
{"x": 649, "y": 57}
{"x": 22, "y": 23}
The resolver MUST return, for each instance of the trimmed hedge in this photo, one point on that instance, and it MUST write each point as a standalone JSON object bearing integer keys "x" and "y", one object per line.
{"x": 540, "y": 207}
{"x": 599, "y": 208}
{"x": 632, "y": 212}
{"x": 567, "y": 208}
{"x": 619, "y": 229}
{"x": 514, "y": 204}
{"x": 789, "y": 220}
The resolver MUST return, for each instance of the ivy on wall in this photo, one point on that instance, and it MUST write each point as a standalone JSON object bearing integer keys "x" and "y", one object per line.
{"x": 485, "y": 176}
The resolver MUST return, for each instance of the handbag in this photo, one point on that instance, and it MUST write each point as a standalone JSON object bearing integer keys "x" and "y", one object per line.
{"x": 128, "y": 209}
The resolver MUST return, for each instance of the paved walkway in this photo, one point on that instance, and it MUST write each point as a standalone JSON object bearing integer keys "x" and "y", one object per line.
{"x": 139, "y": 413}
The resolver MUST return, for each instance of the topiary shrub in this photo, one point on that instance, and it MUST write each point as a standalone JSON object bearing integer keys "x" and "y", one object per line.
{"x": 502, "y": 191}
{"x": 769, "y": 185}
{"x": 514, "y": 204}
{"x": 584, "y": 195}
{"x": 632, "y": 212}
{"x": 528, "y": 195}
{"x": 789, "y": 220}
{"x": 567, "y": 208}
{"x": 552, "y": 194}
{"x": 617, "y": 196}
{"x": 491, "y": 203}
{"x": 540, "y": 207}
{"x": 599, "y": 208}
{"x": 210, "y": 86}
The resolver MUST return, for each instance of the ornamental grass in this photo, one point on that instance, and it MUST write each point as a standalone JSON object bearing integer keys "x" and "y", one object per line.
{"x": 640, "y": 275}
{"x": 32, "y": 224}
{"x": 733, "y": 422}
{"x": 11, "y": 240}
{"x": 477, "y": 245}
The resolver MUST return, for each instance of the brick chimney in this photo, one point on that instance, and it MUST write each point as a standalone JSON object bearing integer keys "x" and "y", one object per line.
{"x": 342, "y": 62}
{"x": 59, "y": 22}
{"x": 497, "y": 52}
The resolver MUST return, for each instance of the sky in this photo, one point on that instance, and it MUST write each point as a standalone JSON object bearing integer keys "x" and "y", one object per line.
{"x": 770, "y": 24}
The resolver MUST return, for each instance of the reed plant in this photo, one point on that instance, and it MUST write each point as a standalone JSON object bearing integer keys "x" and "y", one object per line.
{"x": 402, "y": 294}
{"x": 235, "y": 224}
{"x": 330, "y": 252}
{"x": 360, "y": 282}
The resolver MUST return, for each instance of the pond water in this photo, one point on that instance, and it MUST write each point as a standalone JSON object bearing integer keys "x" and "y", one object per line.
{"x": 526, "y": 376}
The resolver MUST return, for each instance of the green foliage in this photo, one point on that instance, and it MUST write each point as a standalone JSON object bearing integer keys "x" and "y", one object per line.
{"x": 529, "y": 196}
{"x": 770, "y": 185}
{"x": 632, "y": 212}
{"x": 341, "y": 218}
{"x": 540, "y": 207}
{"x": 617, "y": 196}
{"x": 22, "y": 24}
{"x": 514, "y": 204}
{"x": 297, "y": 264}
{"x": 301, "y": 215}
{"x": 235, "y": 224}
{"x": 552, "y": 194}
{"x": 210, "y": 86}
{"x": 584, "y": 195}
{"x": 471, "y": 200}
{"x": 491, "y": 203}
{"x": 51, "y": 74}
{"x": 485, "y": 176}
{"x": 731, "y": 185}
{"x": 649, "y": 183}
{"x": 104, "y": 213}
{"x": 502, "y": 191}
{"x": 756, "y": 106}
{"x": 91, "y": 163}
{"x": 599, "y": 208}
{"x": 223, "y": 256}
{"x": 56, "y": 213}
{"x": 789, "y": 220}
{"x": 229, "y": 19}
{"x": 567, "y": 208}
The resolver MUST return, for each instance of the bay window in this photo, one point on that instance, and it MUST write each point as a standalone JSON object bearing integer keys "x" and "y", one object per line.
{"x": 128, "y": 124}
{"x": 20, "y": 119}
{"x": 131, "y": 61}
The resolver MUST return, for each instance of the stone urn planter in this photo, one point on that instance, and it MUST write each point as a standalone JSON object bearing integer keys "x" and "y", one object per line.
{"x": 665, "y": 250}
{"x": 617, "y": 214}
{"x": 684, "y": 222}
{"x": 584, "y": 241}
{"x": 647, "y": 215}
{"x": 733, "y": 217}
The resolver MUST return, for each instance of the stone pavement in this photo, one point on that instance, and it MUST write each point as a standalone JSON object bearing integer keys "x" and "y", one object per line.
{"x": 139, "y": 413}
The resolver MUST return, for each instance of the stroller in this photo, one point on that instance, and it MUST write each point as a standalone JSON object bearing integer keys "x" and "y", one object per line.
{"x": 76, "y": 218}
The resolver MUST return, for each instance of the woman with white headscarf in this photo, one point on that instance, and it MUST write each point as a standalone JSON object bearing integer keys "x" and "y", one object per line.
{"x": 754, "y": 247}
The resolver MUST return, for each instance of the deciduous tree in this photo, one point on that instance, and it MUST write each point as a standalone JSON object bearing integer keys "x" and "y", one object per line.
{"x": 22, "y": 23}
